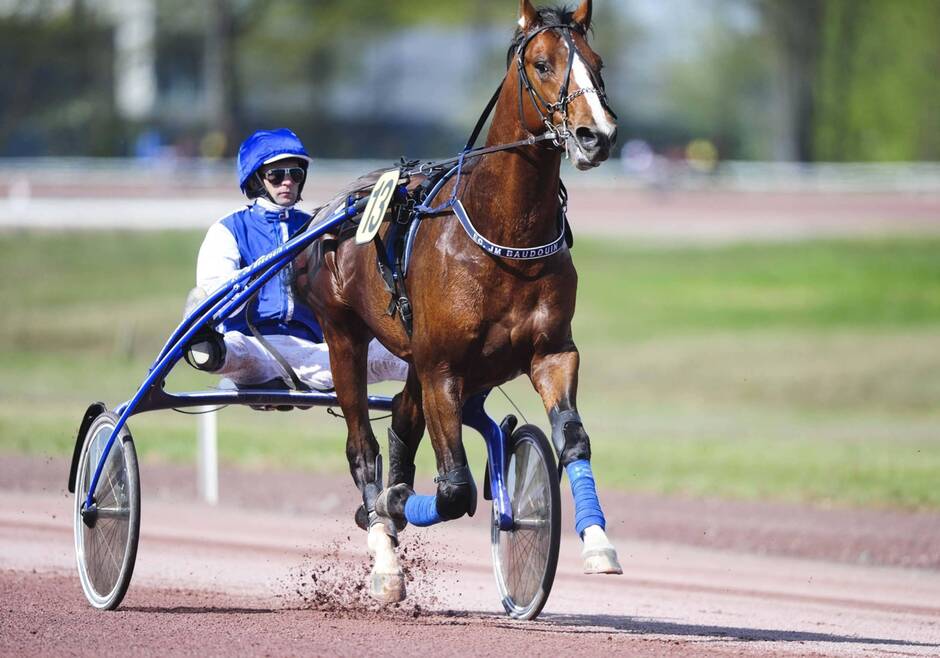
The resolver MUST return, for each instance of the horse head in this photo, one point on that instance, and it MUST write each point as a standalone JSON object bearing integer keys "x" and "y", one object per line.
{"x": 561, "y": 75}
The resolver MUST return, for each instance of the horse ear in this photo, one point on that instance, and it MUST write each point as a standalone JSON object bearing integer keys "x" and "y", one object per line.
{"x": 527, "y": 15}
{"x": 582, "y": 15}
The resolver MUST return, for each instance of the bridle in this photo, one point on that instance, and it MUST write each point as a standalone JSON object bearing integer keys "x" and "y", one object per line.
{"x": 557, "y": 134}
{"x": 560, "y": 130}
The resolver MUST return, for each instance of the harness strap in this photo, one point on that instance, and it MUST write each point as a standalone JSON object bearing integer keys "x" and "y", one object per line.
{"x": 298, "y": 385}
{"x": 556, "y": 133}
{"x": 395, "y": 286}
{"x": 514, "y": 253}
{"x": 483, "y": 117}
{"x": 563, "y": 212}
{"x": 477, "y": 152}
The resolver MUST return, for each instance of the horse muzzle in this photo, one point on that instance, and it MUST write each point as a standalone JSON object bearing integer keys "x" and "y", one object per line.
{"x": 591, "y": 146}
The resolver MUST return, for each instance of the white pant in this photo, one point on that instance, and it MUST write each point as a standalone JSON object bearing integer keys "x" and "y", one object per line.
{"x": 248, "y": 362}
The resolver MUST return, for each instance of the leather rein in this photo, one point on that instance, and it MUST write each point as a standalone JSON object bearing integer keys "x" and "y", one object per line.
{"x": 556, "y": 133}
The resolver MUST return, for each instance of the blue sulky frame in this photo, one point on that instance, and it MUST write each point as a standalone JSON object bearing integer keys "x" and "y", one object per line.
{"x": 222, "y": 303}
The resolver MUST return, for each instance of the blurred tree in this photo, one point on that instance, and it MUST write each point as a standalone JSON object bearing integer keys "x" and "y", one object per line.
{"x": 878, "y": 88}
{"x": 794, "y": 29}
{"x": 220, "y": 75}
{"x": 52, "y": 100}
{"x": 719, "y": 90}
{"x": 295, "y": 53}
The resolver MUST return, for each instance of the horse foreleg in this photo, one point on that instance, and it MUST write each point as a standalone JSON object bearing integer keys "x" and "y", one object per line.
{"x": 555, "y": 377}
{"x": 348, "y": 360}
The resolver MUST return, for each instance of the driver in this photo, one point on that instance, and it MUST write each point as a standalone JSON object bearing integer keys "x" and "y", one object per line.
{"x": 277, "y": 330}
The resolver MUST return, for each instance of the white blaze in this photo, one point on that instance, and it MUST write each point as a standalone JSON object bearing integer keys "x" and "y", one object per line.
{"x": 583, "y": 79}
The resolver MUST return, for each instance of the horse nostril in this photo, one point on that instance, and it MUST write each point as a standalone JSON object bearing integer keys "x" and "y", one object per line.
{"x": 587, "y": 137}
{"x": 613, "y": 137}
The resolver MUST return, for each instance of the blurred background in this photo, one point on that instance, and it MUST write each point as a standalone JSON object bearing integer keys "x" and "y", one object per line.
{"x": 783, "y": 80}
{"x": 759, "y": 309}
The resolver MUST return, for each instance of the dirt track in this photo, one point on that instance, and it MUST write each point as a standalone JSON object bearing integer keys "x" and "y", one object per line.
{"x": 277, "y": 568}
{"x": 685, "y": 216}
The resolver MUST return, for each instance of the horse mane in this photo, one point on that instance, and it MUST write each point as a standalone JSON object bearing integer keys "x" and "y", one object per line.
{"x": 361, "y": 185}
{"x": 547, "y": 17}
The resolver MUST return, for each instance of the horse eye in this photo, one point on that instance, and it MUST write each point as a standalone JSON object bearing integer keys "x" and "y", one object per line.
{"x": 542, "y": 67}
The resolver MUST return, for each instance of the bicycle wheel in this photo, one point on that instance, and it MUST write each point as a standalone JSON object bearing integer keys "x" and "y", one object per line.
{"x": 106, "y": 537}
{"x": 525, "y": 558}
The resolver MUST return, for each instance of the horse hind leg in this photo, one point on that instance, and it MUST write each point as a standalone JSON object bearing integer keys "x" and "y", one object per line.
{"x": 404, "y": 435}
{"x": 405, "y": 432}
{"x": 348, "y": 359}
{"x": 386, "y": 580}
{"x": 555, "y": 378}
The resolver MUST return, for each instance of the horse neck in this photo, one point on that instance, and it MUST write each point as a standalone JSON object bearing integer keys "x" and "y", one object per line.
{"x": 518, "y": 202}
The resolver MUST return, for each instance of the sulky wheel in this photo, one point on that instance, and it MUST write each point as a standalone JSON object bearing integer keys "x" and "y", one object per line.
{"x": 106, "y": 534}
{"x": 525, "y": 558}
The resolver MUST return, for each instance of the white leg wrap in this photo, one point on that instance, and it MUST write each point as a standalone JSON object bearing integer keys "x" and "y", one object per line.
{"x": 598, "y": 554}
{"x": 386, "y": 582}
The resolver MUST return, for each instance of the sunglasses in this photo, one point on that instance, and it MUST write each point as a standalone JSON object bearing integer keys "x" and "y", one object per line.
{"x": 277, "y": 176}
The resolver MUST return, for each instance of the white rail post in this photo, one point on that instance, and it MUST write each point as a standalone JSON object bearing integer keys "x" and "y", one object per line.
{"x": 207, "y": 461}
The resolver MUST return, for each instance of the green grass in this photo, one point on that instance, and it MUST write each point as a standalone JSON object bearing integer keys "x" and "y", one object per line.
{"x": 799, "y": 371}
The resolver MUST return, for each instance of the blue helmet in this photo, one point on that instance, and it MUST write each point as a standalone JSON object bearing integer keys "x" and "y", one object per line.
{"x": 266, "y": 146}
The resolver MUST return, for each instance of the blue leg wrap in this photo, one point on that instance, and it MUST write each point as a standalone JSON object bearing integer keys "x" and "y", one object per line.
{"x": 587, "y": 508}
{"x": 422, "y": 510}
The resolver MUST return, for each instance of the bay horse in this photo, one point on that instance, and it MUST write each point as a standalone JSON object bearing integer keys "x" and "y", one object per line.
{"x": 479, "y": 319}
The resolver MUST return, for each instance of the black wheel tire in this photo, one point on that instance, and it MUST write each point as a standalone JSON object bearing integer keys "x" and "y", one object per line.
{"x": 526, "y": 557}
{"x": 106, "y": 551}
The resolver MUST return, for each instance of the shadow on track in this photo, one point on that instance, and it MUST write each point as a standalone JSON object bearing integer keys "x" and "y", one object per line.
{"x": 199, "y": 610}
{"x": 566, "y": 623}
{"x": 634, "y": 626}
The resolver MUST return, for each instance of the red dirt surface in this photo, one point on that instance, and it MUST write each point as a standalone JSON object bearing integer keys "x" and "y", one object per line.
{"x": 278, "y": 569}
{"x": 708, "y": 215}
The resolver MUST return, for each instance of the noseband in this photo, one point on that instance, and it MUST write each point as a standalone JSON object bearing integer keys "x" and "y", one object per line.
{"x": 545, "y": 109}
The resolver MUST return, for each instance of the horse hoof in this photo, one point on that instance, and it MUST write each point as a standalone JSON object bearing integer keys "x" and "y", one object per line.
{"x": 387, "y": 587}
{"x": 601, "y": 561}
{"x": 598, "y": 554}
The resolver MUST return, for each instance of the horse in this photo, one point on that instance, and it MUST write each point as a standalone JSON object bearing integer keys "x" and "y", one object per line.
{"x": 479, "y": 319}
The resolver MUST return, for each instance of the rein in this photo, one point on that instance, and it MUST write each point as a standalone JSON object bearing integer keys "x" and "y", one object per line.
{"x": 556, "y": 133}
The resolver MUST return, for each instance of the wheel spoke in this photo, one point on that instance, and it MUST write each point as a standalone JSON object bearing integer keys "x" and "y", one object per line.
{"x": 525, "y": 557}
{"x": 103, "y": 550}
